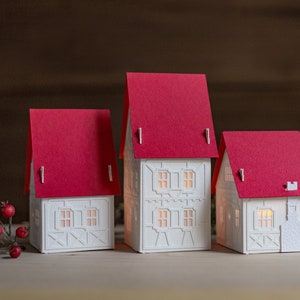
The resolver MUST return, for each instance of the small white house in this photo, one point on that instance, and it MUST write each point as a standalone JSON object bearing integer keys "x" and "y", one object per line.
{"x": 257, "y": 185}
{"x": 167, "y": 144}
{"x": 71, "y": 179}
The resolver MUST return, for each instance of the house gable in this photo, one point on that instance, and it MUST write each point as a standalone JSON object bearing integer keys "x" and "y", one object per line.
{"x": 72, "y": 153}
{"x": 170, "y": 116}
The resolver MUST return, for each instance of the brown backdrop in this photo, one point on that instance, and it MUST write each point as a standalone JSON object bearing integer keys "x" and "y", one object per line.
{"x": 64, "y": 54}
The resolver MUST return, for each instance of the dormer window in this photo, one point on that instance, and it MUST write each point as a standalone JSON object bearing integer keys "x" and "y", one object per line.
{"x": 162, "y": 218}
{"x": 228, "y": 174}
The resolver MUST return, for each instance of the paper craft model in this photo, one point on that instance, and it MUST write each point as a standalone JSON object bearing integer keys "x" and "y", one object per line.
{"x": 257, "y": 185}
{"x": 72, "y": 179}
{"x": 167, "y": 144}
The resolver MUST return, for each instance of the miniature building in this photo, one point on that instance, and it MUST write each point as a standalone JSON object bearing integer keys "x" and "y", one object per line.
{"x": 256, "y": 181}
{"x": 72, "y": 179}
{"x": 167, "y": 144}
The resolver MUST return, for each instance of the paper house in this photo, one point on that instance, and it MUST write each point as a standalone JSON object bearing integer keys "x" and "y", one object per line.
{"x": 167, "y": 144}
{"x": 256, "y": 181}
{"x": 72, "y": 179}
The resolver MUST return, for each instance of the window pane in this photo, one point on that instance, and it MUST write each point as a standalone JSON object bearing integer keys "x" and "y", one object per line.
{"x": 188, "y": 179}
{"x": 65, "y": 218}
{"x": 162, "y": 179}
{"x": 264, "y": 218}
{"x": 162, "y": 218}
{"x": 228, "y": 174}
{"x": 91, "y": 217}
{"x": 188, "y": 215}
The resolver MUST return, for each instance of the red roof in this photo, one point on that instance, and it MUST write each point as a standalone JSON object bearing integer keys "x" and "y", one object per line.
{"x": 75, "y": 147}
{"x": 270, "y": 159}
{"x": 173, "y": 112}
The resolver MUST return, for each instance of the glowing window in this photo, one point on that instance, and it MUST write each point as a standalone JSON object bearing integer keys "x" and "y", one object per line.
{"x": 221, "y": 215}
{"x": 91, "y": 217}
{"x": 228, "y": 174}
{"x": 162, "y": 218}
{"x": 264, "y": 218}
{"x": 188, "y": 179}
{"x": 237, "y": 218}
{"x": 37, "y": 217}
{"x": 65, "y": 218}
{"x": 163, "y": 179}
{"x": 188, "y": 217}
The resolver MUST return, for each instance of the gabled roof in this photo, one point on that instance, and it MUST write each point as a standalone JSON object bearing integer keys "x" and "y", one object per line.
{"x": 173, "y": 112}
{"x": 269, "y": 159}
{"x": 75, "y": 147}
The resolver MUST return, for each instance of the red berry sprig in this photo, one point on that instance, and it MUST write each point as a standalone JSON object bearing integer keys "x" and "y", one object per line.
{"x": 7, "y": 210}
{"x": 14, "y": 249}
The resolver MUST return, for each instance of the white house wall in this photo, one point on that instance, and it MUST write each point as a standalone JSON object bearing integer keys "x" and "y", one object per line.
{"x": 69, "y": 226}
{"x": 35, "y": 214}
{"x": 172, "y": 202}
{"x": 131, "y": 193}
{"x": 259, "y": 238}
{"x": 229, "y": 210}
{"x": 290, "y": 229}
{"x": 282, "y": 233}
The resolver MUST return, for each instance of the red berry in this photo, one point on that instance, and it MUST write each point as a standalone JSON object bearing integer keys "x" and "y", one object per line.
{"x": 8, "y": 210}
{"x": 1, "y": 230}
{"x": 15, "y": 251}
{"x": 22, "y": 232}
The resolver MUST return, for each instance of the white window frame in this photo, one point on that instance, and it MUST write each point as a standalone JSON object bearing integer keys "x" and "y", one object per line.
{"x": 264, "y": 219}
{"x": 162, "y": 182}
{"x": 228, "y": 176}
{"x": 188, "y": 217}
{"x": 63, "y": 219}
{"x": 237, "y": 215}
{"x": 186, "y": 179}
{"x": 91, "y": 217}
{"x": 162, "y": 219}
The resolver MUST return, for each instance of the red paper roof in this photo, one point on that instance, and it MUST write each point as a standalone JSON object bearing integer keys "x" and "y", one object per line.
{"x": 75, "y": 146}
{"x": 269, "y": 158}
{"x": 173, "y": 112}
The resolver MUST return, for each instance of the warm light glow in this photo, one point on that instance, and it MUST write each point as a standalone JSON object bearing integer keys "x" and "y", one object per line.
{"x": 162, "y": 218}
{"x": 65, "y": 218}
{"x": 228, "y": 174}
{"x": 91, "y": 217}
{"x": 188, "y": 217}
{"x": 237, "y": 218}
{"x": 264, "y": 218}
{"x": 188, "y": 179}
{"x": 162, "y": 178}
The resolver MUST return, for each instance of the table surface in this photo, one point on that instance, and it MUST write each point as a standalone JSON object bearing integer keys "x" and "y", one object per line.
{"x": 219, "y": 273}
